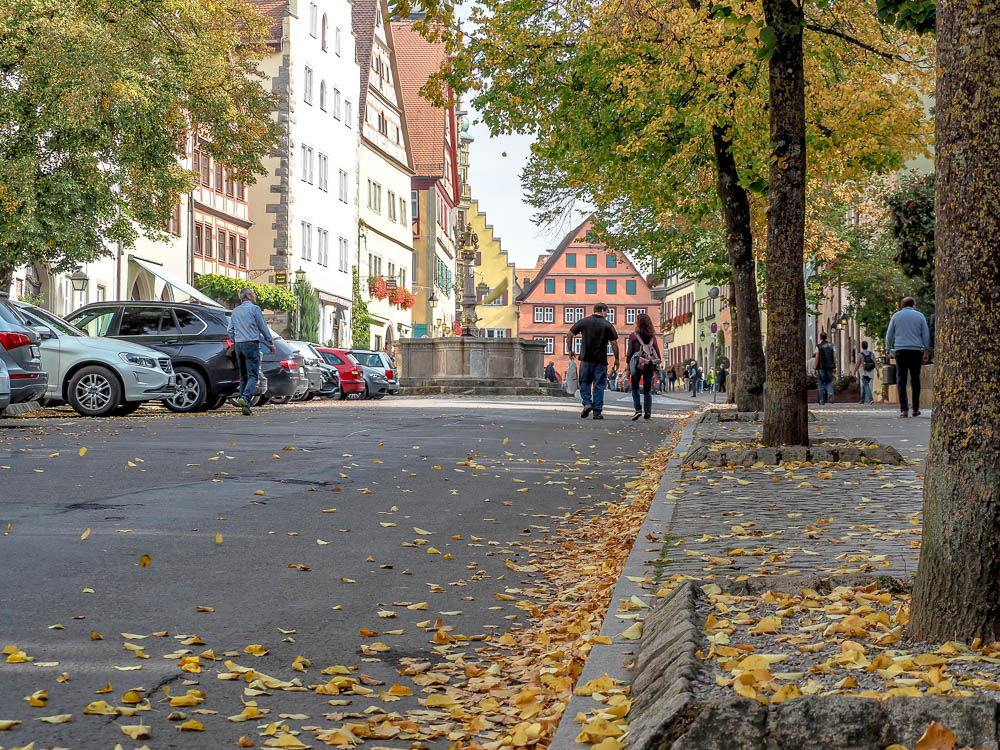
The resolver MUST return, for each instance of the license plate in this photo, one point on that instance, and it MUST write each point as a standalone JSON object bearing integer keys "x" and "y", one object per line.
{"x": 35, "y": 351}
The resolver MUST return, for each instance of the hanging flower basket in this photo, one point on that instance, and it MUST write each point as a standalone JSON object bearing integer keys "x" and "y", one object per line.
{"x": 378, "y": 288}
{"x": 409, "y": 301}
{"x": 396, "y": 296}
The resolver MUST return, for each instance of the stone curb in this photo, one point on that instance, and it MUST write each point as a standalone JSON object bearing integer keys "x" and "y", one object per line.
{"x": 15, "y": 410}
{"x": 611, "y": 659}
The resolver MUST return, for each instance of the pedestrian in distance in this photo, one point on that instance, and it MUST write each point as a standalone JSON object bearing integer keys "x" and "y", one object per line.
{"x": 643, "y": 357}
{"x": 597, "y": 333}
{"x": 710, "y": 381}
{"x": 908, "y": 341}
{"x": 824, "y": 364}
{"x": 722, "y": 377}
{"x": 550, "y": 373}
{"x": 613, "y": 379}
{"x": 671, "y": 379}
{"x": 572, "y": 375}
{"x": 693, "y": 378}
{"x": 247, "y": 331}
{"x": 866, "y": 365}
{"x": 661, "y": 379}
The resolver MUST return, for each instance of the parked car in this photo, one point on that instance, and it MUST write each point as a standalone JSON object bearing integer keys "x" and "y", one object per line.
{"x": 284, "y": 371}
{"x": 97, "y": 376}
{"x": 20, "y": 352}
{"x": 352, "y": 379}
{"x": 194, "y": 337}
{"x": 324, "y": 380}
{"x": 379, "y": 371}
{"x": 4, "y": 386}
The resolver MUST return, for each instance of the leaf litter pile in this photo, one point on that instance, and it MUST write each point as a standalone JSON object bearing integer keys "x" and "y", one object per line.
{"x": 474, "y": 692}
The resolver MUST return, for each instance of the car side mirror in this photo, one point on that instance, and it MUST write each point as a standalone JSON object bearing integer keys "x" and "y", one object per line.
{"x": 44, "y": 331}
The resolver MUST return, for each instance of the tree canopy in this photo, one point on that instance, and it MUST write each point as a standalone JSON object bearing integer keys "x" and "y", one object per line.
{"x": 97, "y": 98}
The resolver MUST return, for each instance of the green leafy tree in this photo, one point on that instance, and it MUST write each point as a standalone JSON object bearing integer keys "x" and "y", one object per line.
{"x": 911, "y": 223}
{"x": 308, "y": 315}
{"x": 361, "y": 319}
{"x": 97, "y": 101}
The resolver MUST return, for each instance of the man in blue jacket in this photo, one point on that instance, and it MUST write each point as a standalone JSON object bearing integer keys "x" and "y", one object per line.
{"x": 908, "y": 340}
{"x": 247, "y": 330}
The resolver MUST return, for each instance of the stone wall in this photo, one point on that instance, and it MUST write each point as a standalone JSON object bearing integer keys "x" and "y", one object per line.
{"x": 502, "y": 361}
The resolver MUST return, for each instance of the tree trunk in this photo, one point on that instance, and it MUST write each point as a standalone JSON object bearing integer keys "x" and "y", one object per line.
{"x": 6, "y": 279}
{"x": 733, "y": 384}
{"x": 749, "y": 354}
{"x": 785, "y": 411}
{"x": 956, "y": 594}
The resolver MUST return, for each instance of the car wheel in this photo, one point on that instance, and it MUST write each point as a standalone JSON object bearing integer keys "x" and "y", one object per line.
{"x": 94, "y": 391}
{"x": 213, "y": 402}
{"x": 377, "y": 396}
{"x": 190, "y": 394}
{"x": 129, "y": 407}
{"x": 281, "y": 399}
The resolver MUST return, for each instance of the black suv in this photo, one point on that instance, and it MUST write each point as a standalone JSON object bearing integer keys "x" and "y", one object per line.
{"x": 194, "y": 336}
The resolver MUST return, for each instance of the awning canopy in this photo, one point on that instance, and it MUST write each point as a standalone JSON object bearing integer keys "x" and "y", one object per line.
{"x": 495, "y": 293}
{"x": 168, "y": 278}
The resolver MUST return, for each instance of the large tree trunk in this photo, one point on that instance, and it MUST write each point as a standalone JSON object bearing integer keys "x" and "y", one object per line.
{"x": 749, "y": 354}
{"x": 957, "y": 593}
{"x": 733, "y": 384}
{"x": 785, "y": 411}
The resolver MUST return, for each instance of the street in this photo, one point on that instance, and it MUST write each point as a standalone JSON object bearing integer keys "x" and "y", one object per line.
{"x": 298, "y": 533}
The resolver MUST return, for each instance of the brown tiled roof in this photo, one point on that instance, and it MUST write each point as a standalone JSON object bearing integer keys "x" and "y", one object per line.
{"x": 568, "y": 240}
{"x": 418, "y": 59}
{"x": 275, "y": 12}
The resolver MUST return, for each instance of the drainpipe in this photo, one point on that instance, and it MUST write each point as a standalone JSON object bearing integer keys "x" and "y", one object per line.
{"x": 118, "y": 272}
{"x": 189, "y": 262}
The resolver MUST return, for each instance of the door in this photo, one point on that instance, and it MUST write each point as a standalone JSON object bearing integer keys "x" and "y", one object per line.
{"x": 141, "y": 325}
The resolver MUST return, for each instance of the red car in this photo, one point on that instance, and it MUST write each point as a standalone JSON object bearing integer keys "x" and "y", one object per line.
{"x": 352, "y": 379}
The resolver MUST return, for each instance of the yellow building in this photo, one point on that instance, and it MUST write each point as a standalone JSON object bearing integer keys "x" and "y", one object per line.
{"x": 678, "y": 321}
{"x": 496, "y": 309}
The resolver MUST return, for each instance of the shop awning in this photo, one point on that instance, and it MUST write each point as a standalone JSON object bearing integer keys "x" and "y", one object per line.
{"x": 168, "y": 278}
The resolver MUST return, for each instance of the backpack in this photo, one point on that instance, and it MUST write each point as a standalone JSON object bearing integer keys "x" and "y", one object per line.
{"x": 645, "y": 357}
{"x": 826, "y": 359}
{"x": 868, "y": 360}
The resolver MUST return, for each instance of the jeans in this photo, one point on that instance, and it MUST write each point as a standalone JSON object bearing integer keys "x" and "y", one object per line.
{"x": 695, "y": 386}
{"x": 248, "y": 359}
{"x": 647, "y": 397}
{"x": 593, "y": 381}
{"x": 866, "y": 390}
{"x": 908, "y": 363}
{"x": 825, "y": 378}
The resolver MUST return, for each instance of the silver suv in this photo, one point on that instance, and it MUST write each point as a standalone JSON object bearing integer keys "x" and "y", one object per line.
{"x": 19, "y": 350}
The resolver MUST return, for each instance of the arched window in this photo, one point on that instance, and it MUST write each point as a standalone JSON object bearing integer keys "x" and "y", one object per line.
{"x": 322, "y": 37}
{"x": 322, "y": 95}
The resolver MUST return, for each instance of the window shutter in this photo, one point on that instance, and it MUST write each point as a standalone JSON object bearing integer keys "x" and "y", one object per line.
{"x": 508, "y": 332}
{"x": 479, "y": 259}
{"x": 503, "y": 299}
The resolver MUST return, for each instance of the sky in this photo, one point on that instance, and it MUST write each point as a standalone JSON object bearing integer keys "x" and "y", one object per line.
{"x": 496, "y": 183}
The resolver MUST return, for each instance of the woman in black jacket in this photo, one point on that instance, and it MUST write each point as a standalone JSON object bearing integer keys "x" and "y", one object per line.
{"x": 643, "y": 357}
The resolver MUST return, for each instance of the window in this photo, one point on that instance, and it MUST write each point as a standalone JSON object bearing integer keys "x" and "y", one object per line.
{"x": 307, "y": 86}
{"x": 591, "y": 286}
{"x": 174, "y": 222}
{"x": 322, "y": 32}
{"x": 611, "y": 261}
{"x": 572, "y": 314}
{"x": 218, "y": 177}
{"x": 375, "y": 197}
{"x": 402, "y": 211}
{"x": 591, "y": 261}
{"x": 571, "y": 260}
{"x": 570, "y": 286}
{"x": 324, "y": 163}
{"x": 544, "y": 314}
{"x": 383, "y": 124}
{"x": 206, "y": 170}
{"x": 630, "y": 286}
{"x": 230, "y": 185}
{"x": 374, "y": 265}
{"x": 143, "y": 321}
{"x": 220, "y": 245}
{"x": 550, "y": 286}
{"x": 347, "y": 112}
{"x": 336, "y": 103}
{"x": 402, "y": 277}
{"x": 611, "y": 315}
{"x": 336, "y": 41}
{"x": 612, "y": 286}
{"x": 631, "y": 313}
{"x": 243, "y": 252}
{"x": 391, "y": 270}
{"x": 344, "y": 262}
{"x": 307, "y": 164}
{"x": 313, "y": 13}
{"x": 577, "y": 345}
{"x": 390, "y": 198}
{"x": 232, "y": 248}
{"x": 322, "y": 95}
{"x": 199, "y": 232}
{"x": 343, "y": 186}
{"x": 208, "y": 241}
{"x": 240, "y": 191}
{"x": 495, "y": 333}
{"x": 550, "y": 343}
{"x": 414, "y": 204}
{"x": 102, "y": 293}
{"x": 322, "y": 246}
{"x": 307, "y": 251}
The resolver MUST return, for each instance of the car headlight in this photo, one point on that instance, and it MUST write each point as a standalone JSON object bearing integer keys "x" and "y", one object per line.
{"x": 138, "y": 360}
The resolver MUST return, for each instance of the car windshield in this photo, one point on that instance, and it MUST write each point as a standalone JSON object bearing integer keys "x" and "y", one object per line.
{"x": 368, "y": 359}
{"x": 38, "y": 316}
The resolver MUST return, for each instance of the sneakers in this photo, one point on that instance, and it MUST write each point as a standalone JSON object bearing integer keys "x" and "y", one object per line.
{"x": 903, "y": 415}
{"x": 916, "y": 412}
{"x": 244, "y": 406}
{"x": 637, "y": 415}
{"x": 647, "y": 416}
{"x": 586, "y": 412}
{"x": 598, "y": 415}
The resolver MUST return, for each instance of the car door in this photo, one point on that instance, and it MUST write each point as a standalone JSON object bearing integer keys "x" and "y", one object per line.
{"x": 141, "y": 325}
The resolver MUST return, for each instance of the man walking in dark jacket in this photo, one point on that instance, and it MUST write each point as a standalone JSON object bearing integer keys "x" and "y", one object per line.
{"x": 597, "y": 333}
{"x": 908, "y": 340}
{"x": 825, "y": 364}
{"x": 247, "y": 330}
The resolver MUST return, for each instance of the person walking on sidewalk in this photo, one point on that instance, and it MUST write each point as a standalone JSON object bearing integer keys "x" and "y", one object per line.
{"x": 247, "y": 330}
{"x": 671, "y": 379}
{"x": 550, "y": 373}
{"x": 908, "y": 340}
{"x": 643, "y": 357}
{"x": 597, "y": 333}
{"x": 866, "y": 364}
{"x": 710, "y": 380}
{"x": 572, "y": 375}
{"x": 824, "y": 365}
{"x": 721, "y": 378}
{"x": 695, "y": 379}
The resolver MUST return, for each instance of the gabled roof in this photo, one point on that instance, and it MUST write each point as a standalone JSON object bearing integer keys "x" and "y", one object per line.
{"x": 274, "y": 10}
{"x": 568, "y": 240}
{"x": 419, "y": 59}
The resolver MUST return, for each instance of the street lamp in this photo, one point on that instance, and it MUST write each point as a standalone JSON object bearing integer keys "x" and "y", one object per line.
{"x": 300, "y": 275}
{"x": 79, "y": 280}
{"x": 432, "y": 300}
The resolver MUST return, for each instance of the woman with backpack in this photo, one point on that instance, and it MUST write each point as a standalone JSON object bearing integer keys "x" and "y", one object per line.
{"x": 866, "y": 364}
{"x": 643, "y": 357}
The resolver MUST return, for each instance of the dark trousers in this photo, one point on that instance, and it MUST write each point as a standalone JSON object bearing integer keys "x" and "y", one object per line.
{"x": 593, "y": 381}
{"x": 248, "y": 359}
{"x": 647, "y": 397}
{"x": 908, "y": 363}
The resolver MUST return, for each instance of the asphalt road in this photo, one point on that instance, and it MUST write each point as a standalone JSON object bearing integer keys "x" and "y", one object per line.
{"x": 224, "y": 505}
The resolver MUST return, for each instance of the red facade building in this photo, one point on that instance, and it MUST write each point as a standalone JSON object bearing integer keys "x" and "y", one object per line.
{"x": 575, "y": 276}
